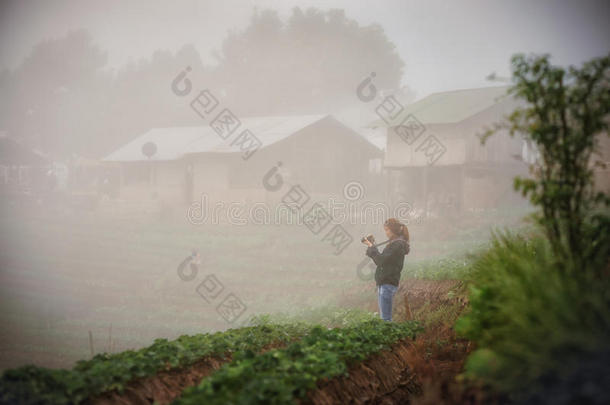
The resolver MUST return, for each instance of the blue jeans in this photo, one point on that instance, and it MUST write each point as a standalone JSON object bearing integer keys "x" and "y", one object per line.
{"x": 385, "y": 293}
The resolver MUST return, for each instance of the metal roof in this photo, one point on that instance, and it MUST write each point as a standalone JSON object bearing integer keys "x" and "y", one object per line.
{"x": 377, "y": 136}
{"x": 174, "y": 142}
{"x": 170, "y": 143}
{"x": 449, "y": 106}
{"x": 268, "y": 130}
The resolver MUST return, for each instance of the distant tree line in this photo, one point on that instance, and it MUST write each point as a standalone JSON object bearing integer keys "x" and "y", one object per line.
{"x": 63, "y": 99}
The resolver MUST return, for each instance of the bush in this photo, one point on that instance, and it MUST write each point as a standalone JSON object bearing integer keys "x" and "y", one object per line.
{"x": 534, "y": 324}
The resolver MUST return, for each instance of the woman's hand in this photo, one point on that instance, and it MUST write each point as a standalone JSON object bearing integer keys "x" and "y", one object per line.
{"x": 368, "y": 243}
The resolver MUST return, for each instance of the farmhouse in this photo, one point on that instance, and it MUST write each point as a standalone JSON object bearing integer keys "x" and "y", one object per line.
{"x": 21, "y": 167}
{"x": 180, "y": 164}
{"x": 434, "y": 154}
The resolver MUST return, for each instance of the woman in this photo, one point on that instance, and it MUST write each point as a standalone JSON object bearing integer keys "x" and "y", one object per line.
{"x": 389, "y": 264}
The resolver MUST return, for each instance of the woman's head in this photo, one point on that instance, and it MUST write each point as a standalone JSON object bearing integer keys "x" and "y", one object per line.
{"x": 394, "y": 228}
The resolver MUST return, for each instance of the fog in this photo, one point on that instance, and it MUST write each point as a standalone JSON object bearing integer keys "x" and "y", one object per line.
{"x": 175, "y": 168}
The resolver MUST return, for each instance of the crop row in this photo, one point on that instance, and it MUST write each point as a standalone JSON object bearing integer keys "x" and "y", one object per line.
{"x": 280, "y": 375}
{"x": 104, "y": 372}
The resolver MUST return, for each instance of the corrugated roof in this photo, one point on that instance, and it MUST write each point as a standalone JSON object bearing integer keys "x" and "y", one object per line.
{"x": 268, "y": 130}
{"x": 376, "y": 136}
{"x": 175, "y": 142}
{"x": 170, "y": 143}
{"x": 449, "y": 106}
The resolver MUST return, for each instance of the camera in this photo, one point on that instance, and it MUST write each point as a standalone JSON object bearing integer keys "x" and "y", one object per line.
{"x": 370, "y": 238}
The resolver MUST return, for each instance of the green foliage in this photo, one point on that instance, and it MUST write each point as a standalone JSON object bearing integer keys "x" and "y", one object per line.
{"x": 438, "y": 269}
{"x": 104, "y": 372}
{"x": 564, "y": 115}
{"x": 541, "y": 308}
{"x": 279, "y": 376}
{"x": 529, "y": 319}
{"x": 329, "y": 316}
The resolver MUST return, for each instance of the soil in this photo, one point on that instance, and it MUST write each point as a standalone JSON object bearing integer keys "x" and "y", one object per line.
{"x": 424, "y": 371}
{"x": 380, "y": 379}
{"x": 165, "y": 386}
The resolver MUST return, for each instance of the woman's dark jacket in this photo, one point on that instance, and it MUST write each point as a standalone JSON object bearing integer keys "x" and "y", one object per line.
{"x": 390, "y": 261}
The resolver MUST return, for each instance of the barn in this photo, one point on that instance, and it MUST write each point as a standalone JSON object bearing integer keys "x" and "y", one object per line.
{"x": 434, "y": 156}
{"x": 178, "y": 165}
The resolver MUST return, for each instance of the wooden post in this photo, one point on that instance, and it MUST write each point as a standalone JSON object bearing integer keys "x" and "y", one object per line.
{"x": 425, "y": 176}
{"x": 461, "y": 189}
{"x": 122, "y": 175}
{"x": 91, "y": 343}
{"x": 110, "y": 339}
{"x": 408, "y": 313}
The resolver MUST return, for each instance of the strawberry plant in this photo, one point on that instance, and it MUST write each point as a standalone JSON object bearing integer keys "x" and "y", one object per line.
{"x": 104, "y": 372}
{"x": 280, "y": 375}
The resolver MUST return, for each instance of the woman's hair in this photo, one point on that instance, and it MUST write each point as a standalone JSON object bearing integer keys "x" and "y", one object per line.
{"x": 397, "y": 228}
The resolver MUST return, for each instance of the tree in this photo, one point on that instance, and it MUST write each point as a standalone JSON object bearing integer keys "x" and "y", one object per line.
{"x": 63, "y": 100}
{"x": 56, "y": 97}
{"x": 310, "y": 64}
{"x": 564, "y": 115}
{"x": 141, "y": 96}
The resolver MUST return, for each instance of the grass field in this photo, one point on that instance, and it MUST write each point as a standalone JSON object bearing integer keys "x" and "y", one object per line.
{"x": 65, "y": 274}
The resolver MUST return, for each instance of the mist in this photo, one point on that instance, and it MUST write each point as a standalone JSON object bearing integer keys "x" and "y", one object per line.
{"x": 177, "y": 168}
